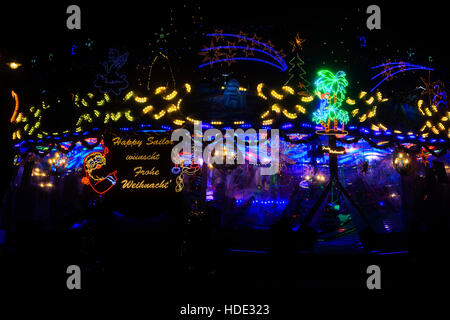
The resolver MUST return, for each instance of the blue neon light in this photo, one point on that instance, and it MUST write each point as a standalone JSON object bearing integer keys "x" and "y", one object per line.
{"x": 404, "y": 64}
{"x": 148, "y": 130}
{"x": 78, "y": 225}
{"x": 247, "y": 251}
{"x": 276, "y": 56}
{"x": 390, "y": 63}
{"x": 403, "y": 70}
{"x": 249, "y": 39}
{"x": 396, "y": 66}
{"x": 270, "y": 202}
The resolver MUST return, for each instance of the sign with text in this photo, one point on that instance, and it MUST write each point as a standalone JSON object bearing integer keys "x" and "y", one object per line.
{"x": 145, "y": 181}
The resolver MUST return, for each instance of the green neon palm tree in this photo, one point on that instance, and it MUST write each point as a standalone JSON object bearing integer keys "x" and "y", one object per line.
{"x": 331, "y": 90}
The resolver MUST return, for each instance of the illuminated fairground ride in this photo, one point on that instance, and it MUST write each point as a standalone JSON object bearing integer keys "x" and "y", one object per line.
{"x": 303, "y": 118}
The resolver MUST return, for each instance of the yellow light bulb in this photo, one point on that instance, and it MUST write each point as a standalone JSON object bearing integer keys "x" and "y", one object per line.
{"x": 14, "y": 65}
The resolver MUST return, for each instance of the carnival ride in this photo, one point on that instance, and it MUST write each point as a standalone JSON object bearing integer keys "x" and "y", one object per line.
{"x": 312, "y": 176}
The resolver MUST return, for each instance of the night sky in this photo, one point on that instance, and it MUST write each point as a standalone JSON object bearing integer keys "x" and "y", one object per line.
{"x": 332, "y": 30}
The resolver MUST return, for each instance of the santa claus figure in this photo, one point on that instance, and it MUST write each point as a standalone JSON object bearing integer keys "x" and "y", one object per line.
{"x": 97, "y": 176}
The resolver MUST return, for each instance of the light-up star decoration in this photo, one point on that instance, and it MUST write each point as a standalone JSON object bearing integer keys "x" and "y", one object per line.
{"x": 238, "y": 47}
{"x": 330, "y": 88}
{"x": 297, "y": 43}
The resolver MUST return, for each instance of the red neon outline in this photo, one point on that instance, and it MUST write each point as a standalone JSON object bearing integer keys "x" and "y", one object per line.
{"x": 106, "y": 151}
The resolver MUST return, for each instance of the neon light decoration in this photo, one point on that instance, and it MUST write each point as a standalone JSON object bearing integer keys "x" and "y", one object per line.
{"x": 267, "y": 52}
{"x": 16, "y": 108}
{"x": 93, "y": 164}
{"x": 398, "y": 67}
{"x": 434, "y": 110}
{"x": 330, "y": 88}
{"x": 277, "y": 102}
{"x": 402, "y": 162}
{"x": 362, "y": 41}
{"x": 111, "y": 80}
